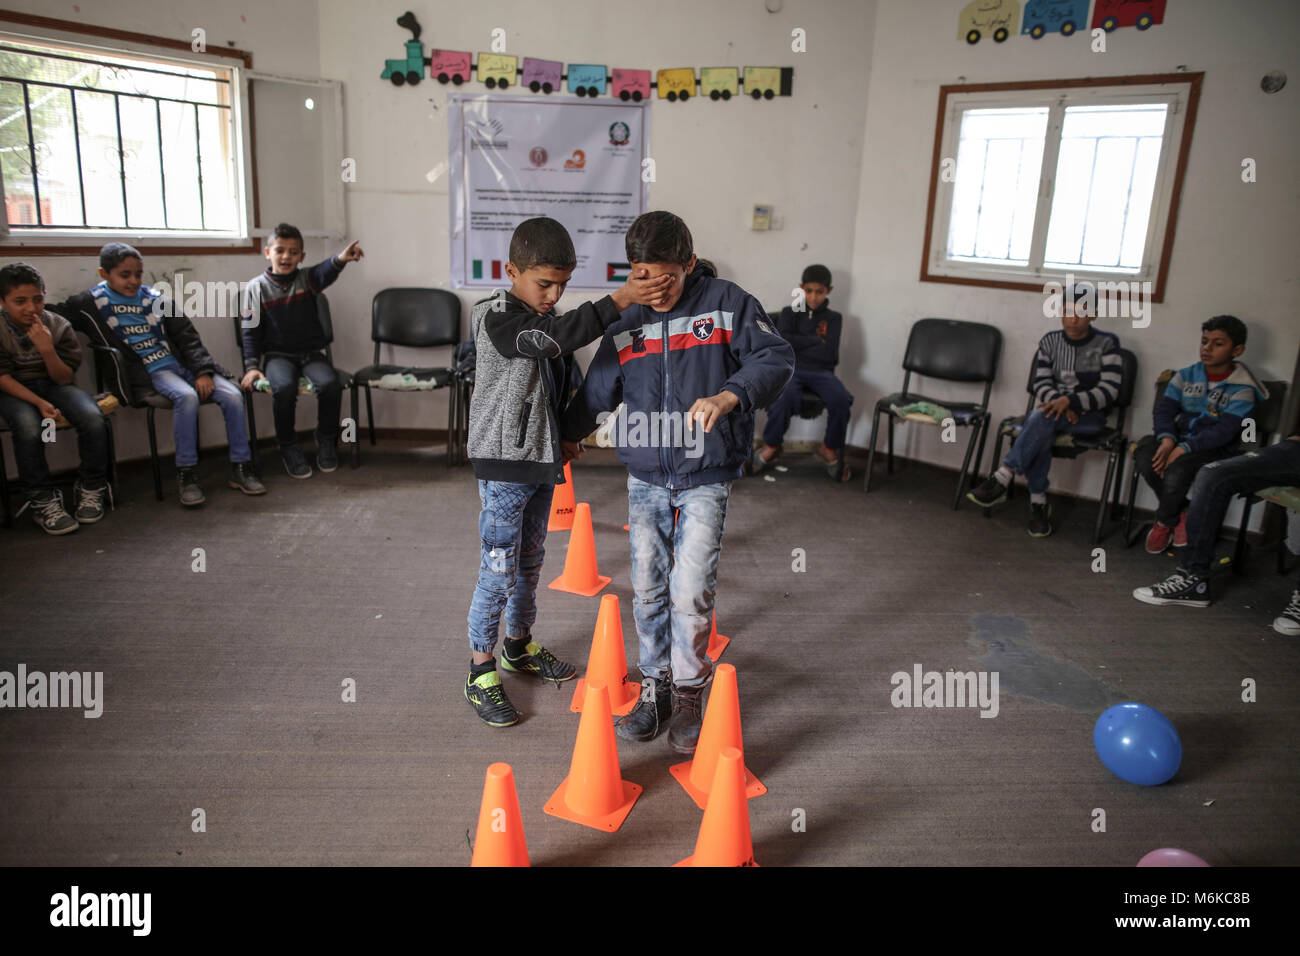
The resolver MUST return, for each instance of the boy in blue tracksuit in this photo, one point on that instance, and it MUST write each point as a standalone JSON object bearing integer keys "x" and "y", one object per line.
{"x": 1198, "y": 420}
{"x": 690, "y": 373}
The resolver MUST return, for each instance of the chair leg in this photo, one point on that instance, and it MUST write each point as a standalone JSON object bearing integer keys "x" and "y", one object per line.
{"x": 356, "y": 441}
{"x": 979, "y": 455}
{"x": 1105, "y": 497}
{"x": 112, "y": 452}
{"x": 890, "y": 467}
{"x": 8, "y": 517}
{"x": 370, "y": 415}
{"x": 1240, "y": 549}
{"x": 965, "y": 463}
{"x": 871, "y": 451}
{"x": 1131, "y": 536}
{"x": 451, "y": 418}
{"x": 153, "y": 455}
{"x": 251, "y": 419}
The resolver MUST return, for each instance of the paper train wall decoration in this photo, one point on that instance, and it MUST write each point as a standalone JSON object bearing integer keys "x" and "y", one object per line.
{"x": 999, "y": 19}
{"x": 500, "y": 71}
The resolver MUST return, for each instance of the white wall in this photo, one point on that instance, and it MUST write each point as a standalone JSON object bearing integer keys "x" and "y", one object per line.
{"x": 1236, "y": 244}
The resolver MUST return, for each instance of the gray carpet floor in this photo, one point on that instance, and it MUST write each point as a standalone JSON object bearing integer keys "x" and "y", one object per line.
{"x": 223, "y": 689}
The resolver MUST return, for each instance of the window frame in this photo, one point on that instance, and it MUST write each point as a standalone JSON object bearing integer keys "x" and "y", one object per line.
{"x": 48, "y": 29}
{"x": 1168, "y": 192}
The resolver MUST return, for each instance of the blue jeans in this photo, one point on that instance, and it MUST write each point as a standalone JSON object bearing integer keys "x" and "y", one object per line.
{"x": 512, "y": 535}
{"x": 282, "y": 372}
{"x": 29, "y": 451}
{"x": 674, "y": 573}
{"x": 825, "y": 386}
{"x": 1031, "y": 453}
{"x": 178, "y": 386}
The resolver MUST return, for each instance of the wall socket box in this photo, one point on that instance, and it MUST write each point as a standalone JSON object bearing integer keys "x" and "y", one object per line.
{"x": 762, "y": 219}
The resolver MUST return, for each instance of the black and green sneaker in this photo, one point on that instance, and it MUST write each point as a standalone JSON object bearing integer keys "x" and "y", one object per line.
{"x": 539, "y": 662}
{"x": 990, "y": 492}
{"x": 488, "y": 698}
{"x": 1040, "y": 521}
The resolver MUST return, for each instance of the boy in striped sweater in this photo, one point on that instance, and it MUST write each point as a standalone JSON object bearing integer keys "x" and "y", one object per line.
{"x": 1077, "y": 375}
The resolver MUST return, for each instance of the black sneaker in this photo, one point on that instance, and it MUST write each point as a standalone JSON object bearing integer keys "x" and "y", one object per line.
{"x": 1288, "y": 622}
{"x": 1181, "y": 587}
{"x": 243, "y": 477}
{"x": 539, "y": 662}
{"x": 295, "y": 462}
{"x": 488, "y": 698}
{"x": 650, "y": 714}
{"x": 991, "y": 492}
{"x": 191, "y": 493}
{"x": 688, "y": 714}
{"x": 1040, "y": 521}
{"x": 90, "y": 502}
{"x": 327, "y": 454}
{"x": 48, "y": 513}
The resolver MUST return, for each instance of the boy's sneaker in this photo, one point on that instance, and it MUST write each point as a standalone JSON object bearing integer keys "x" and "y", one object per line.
{"x": 688, "y": 714}
{"x": 243, "y": 477}
{"x": 990, "y": 492}
{"x": 650, "y": 714}
{"x": 488, "y": 698}
{"x": 1288, "y": 622}
{"x": 191, "y": 493}
{"x": 295, "y": 462}
{"x": 1159, "y": 537}
{"x": 1040, "y": 520}
{"x": 1181, "y": 587}
{"x": 327, "y": 455}
{"x": 539, "y": 662}
{"x": 1180, "y": 531}
{"x": 48, "y": 513}
{"x": 90, "y": 502}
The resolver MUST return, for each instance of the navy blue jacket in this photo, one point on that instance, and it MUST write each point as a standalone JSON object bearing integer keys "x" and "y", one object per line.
{"x": 717, "y": 337}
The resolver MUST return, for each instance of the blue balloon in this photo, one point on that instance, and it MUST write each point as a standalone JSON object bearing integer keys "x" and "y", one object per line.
{"x": 1138, "y": 743}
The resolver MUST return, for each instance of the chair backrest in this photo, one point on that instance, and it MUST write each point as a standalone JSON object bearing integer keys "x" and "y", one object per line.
{"x": 953, "y": 350}
{"x": 415, "y": 318}
{"x": 1268, "y": 413}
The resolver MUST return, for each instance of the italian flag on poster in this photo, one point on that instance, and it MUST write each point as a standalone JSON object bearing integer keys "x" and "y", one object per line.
{"x": 478, "y": 268}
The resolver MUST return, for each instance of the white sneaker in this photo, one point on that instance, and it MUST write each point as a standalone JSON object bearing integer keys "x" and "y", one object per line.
{"x": 1288, "y": 622}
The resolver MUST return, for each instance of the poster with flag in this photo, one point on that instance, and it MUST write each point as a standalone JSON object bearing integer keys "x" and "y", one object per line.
{"x": 515, "y": 157}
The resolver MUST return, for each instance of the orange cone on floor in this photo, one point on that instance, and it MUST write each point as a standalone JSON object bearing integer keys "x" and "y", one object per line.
{"x": 724, "y": 838}
{"x": 563, "y": 504}
{"x": 608, "y": 662}
{"x": 717, "y": 643}
{"x": 580, "y": 574}
{"x": 719, "y": 731}
{"x": 594, "y": 793}
{"x": 500, "y": 838}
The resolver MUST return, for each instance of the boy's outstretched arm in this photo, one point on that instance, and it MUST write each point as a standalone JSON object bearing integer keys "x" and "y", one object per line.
{"x": 602, "y": 390}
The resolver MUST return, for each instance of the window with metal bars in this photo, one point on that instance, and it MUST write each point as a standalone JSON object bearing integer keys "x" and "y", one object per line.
{"x": 92, "y": 143}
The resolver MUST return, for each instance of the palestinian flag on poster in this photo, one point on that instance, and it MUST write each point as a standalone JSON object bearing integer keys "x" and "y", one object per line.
{"x": 495, "y": 266}
{"x": 617, "y": 271}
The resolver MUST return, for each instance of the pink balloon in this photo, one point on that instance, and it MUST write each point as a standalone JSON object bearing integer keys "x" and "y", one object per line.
{"x": 1168, "y": 856}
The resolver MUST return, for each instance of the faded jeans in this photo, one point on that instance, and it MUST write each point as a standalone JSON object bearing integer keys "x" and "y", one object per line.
{"x": 512, "y": 535}
{"x": 674, "y": 574}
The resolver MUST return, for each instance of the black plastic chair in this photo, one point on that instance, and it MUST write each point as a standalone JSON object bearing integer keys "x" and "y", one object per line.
{"x": 465, "y": 358}
{"x": 952, "y": 351}
{"x": 412, "y": 318}
{"x": 1268, "y": 417}
{"x": 345, "y": 378}
{"x": 1111, "y": 439}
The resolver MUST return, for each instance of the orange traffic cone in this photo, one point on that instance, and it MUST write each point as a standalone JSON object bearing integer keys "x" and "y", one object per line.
{"x": 717, "y": 643}
{"x": 563, "y": 504}
{"x": 580, "y": 574}
{"x": 594, "y": 793}
{"x": 719, "y": 731}
{"x": 608, "y": 661}
{"x": 724, "y": 838}
{"x": 500, "y": 838}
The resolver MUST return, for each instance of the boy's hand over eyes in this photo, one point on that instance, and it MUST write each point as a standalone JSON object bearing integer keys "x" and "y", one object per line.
{"x": 638, "y": 290}
{"x": 706, "y": 411}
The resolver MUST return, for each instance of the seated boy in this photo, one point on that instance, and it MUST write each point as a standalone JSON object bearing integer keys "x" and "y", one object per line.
{"x": 283, "y": 340}
{"x": 39, "y": 356}
{"x": 1077, "y": 375}
{"x": 163, "y": 353}
{"x": 695, "y": 366}
{"x": 1213, "y": 490}
{"x": 1197, "y": 421}
{"x": 525, "y": 377}
{"x": 814, "y": 332}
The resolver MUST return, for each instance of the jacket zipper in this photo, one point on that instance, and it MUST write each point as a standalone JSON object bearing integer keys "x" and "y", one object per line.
{"x": 667, "y": 391}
